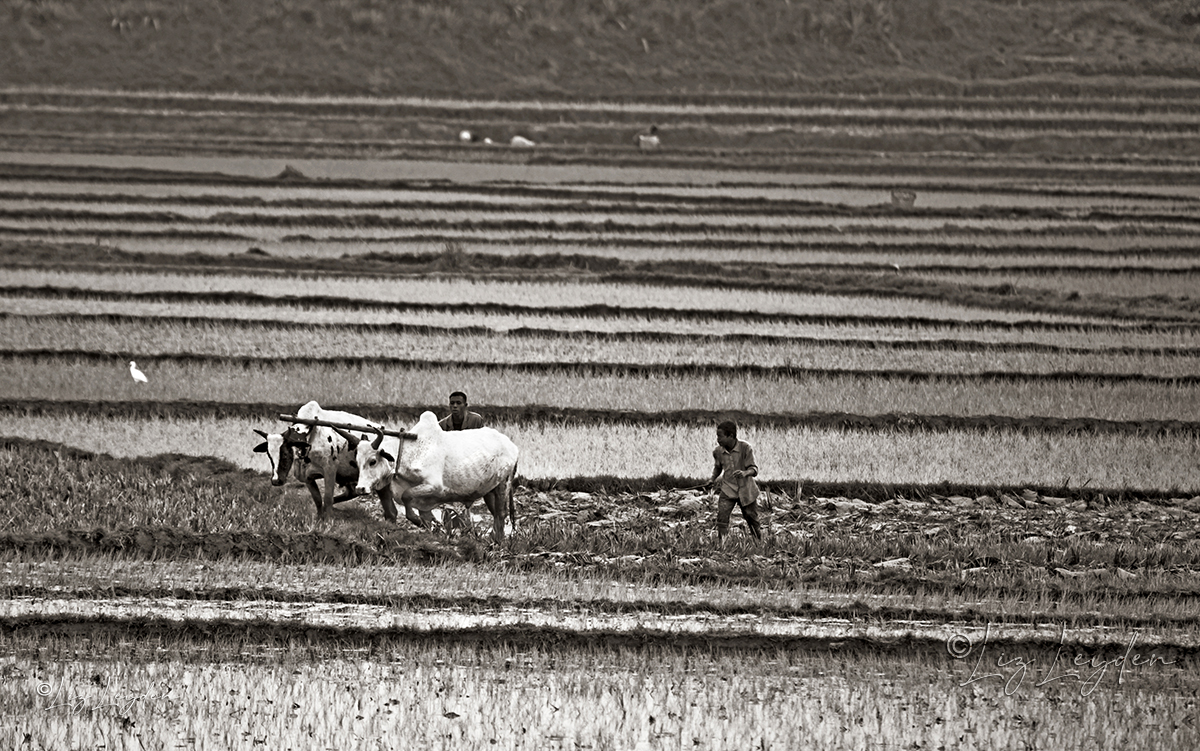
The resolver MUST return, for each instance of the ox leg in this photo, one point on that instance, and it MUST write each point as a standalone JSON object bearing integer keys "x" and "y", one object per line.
{"x": 327, "y": 504}
{"x": 421, "y": 518}
{"x": 388, "y": 500}
{"x": 494, "y": 499}
{"x": 418, "y": 518}
{"x": 314, "y": 491}
{"x": 349, "y": 494}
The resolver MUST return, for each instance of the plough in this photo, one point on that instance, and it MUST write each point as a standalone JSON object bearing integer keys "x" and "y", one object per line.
{"x": 348, "y": 427}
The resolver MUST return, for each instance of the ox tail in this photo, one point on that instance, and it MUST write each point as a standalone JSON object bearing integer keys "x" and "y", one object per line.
{"x": 512, "y": 486}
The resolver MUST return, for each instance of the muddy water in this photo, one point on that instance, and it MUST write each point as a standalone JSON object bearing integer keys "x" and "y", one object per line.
{"x": 648, "y": 623}
{"x": 824, "y": 188}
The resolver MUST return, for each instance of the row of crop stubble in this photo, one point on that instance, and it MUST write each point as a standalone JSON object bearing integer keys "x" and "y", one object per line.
{"x": 91, "y": 377}
{"x": 939, "y": 252}
{"x": 1110, "y": 233}
{"x": 1117, "y": 337}
{"x": 1166, "y": 462}
{"x": 530, "y": 294}
{"x": 202, "y": 338}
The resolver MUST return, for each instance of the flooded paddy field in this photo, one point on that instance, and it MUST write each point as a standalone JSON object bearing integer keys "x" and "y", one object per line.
{"x": 611, "y": 666}
{"x": 412, "y": 694}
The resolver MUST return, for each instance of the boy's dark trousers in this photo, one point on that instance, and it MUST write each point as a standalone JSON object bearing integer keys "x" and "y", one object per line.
{"x": 749, "y": 513}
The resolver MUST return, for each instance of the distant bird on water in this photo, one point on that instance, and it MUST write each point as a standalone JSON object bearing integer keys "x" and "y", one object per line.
{"x": 138, "y": 375}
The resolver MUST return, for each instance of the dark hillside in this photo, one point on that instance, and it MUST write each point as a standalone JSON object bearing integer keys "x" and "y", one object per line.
{"x": 605, "y": 48}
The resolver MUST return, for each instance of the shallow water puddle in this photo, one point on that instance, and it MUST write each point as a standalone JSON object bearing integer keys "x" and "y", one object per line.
{"x": 382, "y": 618}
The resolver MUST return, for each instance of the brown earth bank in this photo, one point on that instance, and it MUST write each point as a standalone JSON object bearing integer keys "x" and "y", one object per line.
{"x": 607, "y": 50}
{"x": 900, "y": 422}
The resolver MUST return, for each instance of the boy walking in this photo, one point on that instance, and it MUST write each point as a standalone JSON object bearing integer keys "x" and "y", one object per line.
{"x": 734, "y": 464}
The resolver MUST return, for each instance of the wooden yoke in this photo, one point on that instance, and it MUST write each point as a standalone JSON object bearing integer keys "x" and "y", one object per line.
{"x": 348, "y": 427}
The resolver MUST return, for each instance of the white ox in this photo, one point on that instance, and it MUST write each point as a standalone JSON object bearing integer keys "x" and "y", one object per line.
{"x": 324, "y": 453}
{"x": 439, "y": 467}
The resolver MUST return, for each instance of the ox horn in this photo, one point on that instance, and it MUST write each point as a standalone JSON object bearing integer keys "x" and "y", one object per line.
{"x": 256, "y": 430}
{"x": 351, "y": 439}
{"x": 375, "y": 444}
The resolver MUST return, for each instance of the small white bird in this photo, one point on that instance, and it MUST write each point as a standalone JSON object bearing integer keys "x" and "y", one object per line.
{"x": 649, "y": 141}
{"x": 138, "y": 375}
{"x": 521, "y": 141}
{"x": 466, "y": 136}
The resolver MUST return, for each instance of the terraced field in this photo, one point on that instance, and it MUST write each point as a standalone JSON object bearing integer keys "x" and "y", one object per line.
{"x": 962, "y": 335}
